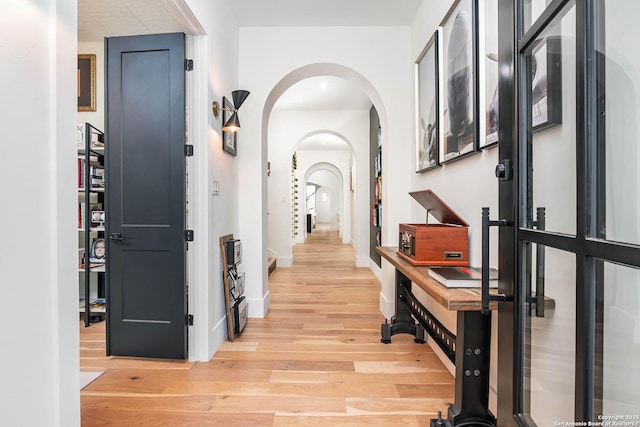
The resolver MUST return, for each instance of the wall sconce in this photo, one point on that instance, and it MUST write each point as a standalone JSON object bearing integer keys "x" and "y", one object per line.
{"x": 233, "y": 124}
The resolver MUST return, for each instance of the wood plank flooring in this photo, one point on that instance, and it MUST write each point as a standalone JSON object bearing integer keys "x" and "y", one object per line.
{"x": 315, "y": 361}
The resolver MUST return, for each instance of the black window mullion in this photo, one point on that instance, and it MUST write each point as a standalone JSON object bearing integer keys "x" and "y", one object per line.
{"x": 585, "y": 280}
{"x": 618, "y": 253}
{"x": 550, "y": 239}
{"x": 540, "y": 25}
{"x": 510, "y": 376}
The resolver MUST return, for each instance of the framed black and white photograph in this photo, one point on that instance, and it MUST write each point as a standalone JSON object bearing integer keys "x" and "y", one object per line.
{"x": 86, "y": 82}
{"x": 546, "y": 83}
{"x": 489, "y": 63}
{"x": 459, "y": 68}
{"x": 229, "y": 139}
{"x": 427, "y": 111}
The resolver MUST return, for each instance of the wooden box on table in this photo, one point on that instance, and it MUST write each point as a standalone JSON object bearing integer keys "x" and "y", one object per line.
{"x": 443, "y": 244}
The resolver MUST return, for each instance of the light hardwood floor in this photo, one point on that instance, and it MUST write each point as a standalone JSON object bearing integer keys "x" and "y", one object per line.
{"x": 315, "y": 360}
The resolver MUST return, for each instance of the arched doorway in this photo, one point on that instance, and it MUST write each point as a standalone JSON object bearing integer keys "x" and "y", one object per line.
{"x": 325, "y": 199}
{"x": 289, "y": 130}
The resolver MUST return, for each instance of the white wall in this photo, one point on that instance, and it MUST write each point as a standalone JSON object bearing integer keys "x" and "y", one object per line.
{"x": 38, "y": 252}
{"x": 217, "y": 215}
{"x": 376, "y": 59}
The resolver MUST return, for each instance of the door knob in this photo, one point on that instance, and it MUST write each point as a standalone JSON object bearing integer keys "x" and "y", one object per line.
{"x": 504, "y": 170}
{"x": 116, "y": 237}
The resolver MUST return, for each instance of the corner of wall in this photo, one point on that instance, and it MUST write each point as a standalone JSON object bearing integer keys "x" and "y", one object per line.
{"x": 285, "y": 261}
{"x": 386, "y": 306}
{"x": 258, "y": 308}
{"x": 218, "y": 336}
{"x": 375, "y": 269}
{"x": 362, "y": 261}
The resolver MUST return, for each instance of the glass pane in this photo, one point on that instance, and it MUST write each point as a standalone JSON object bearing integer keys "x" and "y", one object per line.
{"x": 551, "y": 119}
{"x": 549, "y": 354}
{"x": 532, "y": 11}
{"x": 620, "y": 351}
{"x": 618, "y": 59}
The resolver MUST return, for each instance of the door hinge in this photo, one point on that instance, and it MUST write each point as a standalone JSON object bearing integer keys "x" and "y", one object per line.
{"x": 188, "y": 150}
{"x": 189, "y": 319}
{"x": 189, "y": 235}
{"x": 188, "y": 64}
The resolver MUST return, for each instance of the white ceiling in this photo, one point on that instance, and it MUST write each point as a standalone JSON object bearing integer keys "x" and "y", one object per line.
{"x": 102, "y": 18}
{"x": 323, "y": 93}
{"x": 324, "y": 13}
{"x": 98, "y": 19}
{"x": 323, "y": 142}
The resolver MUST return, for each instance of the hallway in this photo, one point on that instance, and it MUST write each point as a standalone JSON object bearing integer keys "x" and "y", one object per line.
{"x": 315, "y": 360}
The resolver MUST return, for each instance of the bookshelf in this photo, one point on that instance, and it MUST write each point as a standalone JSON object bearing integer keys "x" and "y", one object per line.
{"x": 375, "y": 150}
{"x": 91, "y": 223}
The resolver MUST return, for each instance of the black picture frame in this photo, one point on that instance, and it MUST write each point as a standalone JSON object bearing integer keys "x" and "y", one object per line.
{"x": 427, "y": 106}
{"x": 86, "y": 82}
{"x": 546, "y": 83}
{"x": 489, "y": 123}
{"x": 229, "y": 139}
{"x": 459, "y": 81}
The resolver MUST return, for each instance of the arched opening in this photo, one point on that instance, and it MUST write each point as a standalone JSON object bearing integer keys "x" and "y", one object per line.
{"x": 324, "y": 202}
{"x": 284, "y": 134}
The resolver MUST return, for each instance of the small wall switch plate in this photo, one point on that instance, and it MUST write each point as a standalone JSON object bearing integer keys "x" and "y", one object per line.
{"x": 215, "y": 187}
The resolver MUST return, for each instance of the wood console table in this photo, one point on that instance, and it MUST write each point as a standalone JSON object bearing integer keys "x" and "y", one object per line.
{"x": 469, "y": 348}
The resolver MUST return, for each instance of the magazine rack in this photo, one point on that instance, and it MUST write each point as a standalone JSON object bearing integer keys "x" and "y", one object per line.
{"x": 235, "y": 301}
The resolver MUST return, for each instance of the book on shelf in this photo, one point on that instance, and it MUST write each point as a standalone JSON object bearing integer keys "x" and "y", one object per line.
{"x": 463, "y": 277}
{"x": 97, "y": 304}
{"x": 98, "y": 253}
{"x": 375, "y": 215}
{"x": 81, "y": 214}
{"x": 97, "y": 139}
{"x": 80, "y": 172}
{"x": 97, "y": 176}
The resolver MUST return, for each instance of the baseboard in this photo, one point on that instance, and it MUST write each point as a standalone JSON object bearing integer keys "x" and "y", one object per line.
{"x": 362, "y": 261}
{"x": 443, "y": 357}
{"x": 375, "y": 269}
{"x": 386, "y": 307}
{"x": 218, "y": 335}
{"x": 285, "y": 261}
{"x": 258, "y": 308}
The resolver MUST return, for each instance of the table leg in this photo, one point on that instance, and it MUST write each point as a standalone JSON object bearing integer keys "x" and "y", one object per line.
{"x": 473, "y": 341}
{"x": 402, "y": 322}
